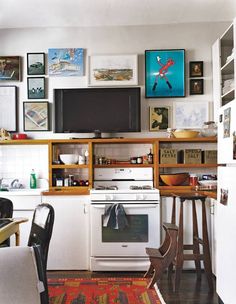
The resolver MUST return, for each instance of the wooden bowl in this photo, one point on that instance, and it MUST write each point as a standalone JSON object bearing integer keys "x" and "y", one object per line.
{"x": 185, "y": 134}
{"x": 174, "y": 179}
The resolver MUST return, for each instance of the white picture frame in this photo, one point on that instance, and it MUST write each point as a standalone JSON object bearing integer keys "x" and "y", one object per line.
{"x": 190, "y": 115}
{"x": 8, "y": 108}
{"x": 113, "y": 70}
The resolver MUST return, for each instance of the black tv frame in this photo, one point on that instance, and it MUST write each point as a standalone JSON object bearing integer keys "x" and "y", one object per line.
{"x": 134, "y": 108}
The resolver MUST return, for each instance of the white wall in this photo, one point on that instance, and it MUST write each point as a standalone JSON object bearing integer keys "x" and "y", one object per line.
{"x": 196, "y": 39}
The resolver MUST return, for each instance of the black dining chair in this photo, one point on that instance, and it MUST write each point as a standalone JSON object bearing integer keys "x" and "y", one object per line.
{"x": 6, "y": 211}
{"x": 41, "y": 229}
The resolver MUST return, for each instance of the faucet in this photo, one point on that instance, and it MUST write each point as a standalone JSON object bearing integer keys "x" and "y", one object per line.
{"x": 15, "y": 184}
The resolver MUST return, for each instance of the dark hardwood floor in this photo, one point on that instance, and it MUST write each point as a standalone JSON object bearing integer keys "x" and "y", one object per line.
{"x": 192, "y": 291}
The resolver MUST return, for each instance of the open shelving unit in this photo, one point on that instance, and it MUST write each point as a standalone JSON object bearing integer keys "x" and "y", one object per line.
{"x": 127, "y": 147}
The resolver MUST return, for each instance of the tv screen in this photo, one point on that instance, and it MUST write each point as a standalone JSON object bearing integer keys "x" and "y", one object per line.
{"x": 89, "y": 110}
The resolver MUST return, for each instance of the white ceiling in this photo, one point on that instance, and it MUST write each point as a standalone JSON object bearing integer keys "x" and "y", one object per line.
{"x": 58, "y": 13}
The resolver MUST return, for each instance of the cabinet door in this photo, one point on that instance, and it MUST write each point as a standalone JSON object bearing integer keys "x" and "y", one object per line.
{"x": 69, "y": 246}
{"x": 24, "y": 227}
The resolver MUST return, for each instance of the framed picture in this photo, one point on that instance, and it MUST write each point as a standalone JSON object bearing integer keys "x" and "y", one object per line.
{"x": 164, "y": 73}
{"x": 196, "y": 69}
{"x": 8, "y": 108}
{"x": 226, "y": 123}
{"x": 196, "y": 86}
{"x": 35, "y": 116}
{"x": 35, "y": 63}
{"x": 159, "y": 118}
{"x": 10, "y": 68}
{"x": 36, "y": 87}
{"x": 66, "y": 62}
{"x": 190, "y": 115}
{"x": 110, "y": 70}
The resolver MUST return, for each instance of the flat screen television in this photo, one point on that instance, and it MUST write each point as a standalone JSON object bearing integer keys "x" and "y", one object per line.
{"x": 97, "y": 110}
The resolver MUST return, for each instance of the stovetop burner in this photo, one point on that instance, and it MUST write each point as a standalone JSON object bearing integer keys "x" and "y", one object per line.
{"x": 106, "y": 188}
{"x": 132, "y": 187}
{"x": 144, "y": 187}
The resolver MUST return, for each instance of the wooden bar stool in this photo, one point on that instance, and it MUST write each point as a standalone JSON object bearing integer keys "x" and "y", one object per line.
{"x": 196, "y": 256}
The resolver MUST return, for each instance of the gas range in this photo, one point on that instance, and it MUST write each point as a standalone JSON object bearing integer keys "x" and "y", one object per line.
{"x": 128, "y": 195}
{"x": 132, "y": 185}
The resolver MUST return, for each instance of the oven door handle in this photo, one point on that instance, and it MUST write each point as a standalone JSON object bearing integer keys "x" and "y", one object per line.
{"x": 129, "y": 206}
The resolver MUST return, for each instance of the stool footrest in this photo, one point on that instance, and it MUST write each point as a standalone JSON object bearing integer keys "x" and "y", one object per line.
{"x": 192, "y": 256}
{"x": 188, "y": 247}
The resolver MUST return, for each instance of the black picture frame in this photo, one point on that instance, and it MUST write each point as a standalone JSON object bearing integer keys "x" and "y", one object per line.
{"x": 196, "y": 86}
{"x": 36, "y": 116}
{"x": 36, "y": 87}
{"x": 10, "y": 68}
{"x": 195, "y": 69}
{"x": 159, "y": 118}
{"x": 36, "y": 63}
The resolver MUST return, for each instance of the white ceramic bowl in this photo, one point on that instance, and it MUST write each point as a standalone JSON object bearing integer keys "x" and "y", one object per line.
{"x": 69, "y": 159}
{"x": 208, "y": 182}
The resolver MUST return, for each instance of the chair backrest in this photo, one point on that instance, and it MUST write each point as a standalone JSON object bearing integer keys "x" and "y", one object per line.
{"x": 22, "y": 276}
{"x": 6, "y": 210}
{"x": 41, "y": 229}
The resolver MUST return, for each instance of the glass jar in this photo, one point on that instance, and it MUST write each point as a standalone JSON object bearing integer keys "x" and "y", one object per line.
{"x": 193, "y": 180}
{"x": 209, "y": 129}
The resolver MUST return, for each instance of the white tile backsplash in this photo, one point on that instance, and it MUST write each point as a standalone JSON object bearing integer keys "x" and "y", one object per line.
{"x": 17, "y": 162}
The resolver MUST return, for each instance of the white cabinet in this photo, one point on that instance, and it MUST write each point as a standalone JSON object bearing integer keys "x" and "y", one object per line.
{"x": 224, "y": 67}
{"x": 23, "y": 206}
{"x": 69, "y": 246}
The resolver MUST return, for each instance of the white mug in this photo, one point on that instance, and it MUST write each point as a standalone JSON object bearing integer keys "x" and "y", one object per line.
{"x": 81, "y": 160}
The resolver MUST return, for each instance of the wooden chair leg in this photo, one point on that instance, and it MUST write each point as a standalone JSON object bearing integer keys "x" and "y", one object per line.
{"x": 206, "y": 248}
{"x": 179, "y": 254}
{"x": 196, "y": 249}
{"x": 173, "y": 221}
{"x": 149, "y": 271}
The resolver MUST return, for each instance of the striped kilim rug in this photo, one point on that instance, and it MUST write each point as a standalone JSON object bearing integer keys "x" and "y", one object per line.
{"x": 102, "y": 291}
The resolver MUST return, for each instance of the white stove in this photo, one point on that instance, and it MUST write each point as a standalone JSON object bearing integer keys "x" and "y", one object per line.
{"x": 124, "y": 249}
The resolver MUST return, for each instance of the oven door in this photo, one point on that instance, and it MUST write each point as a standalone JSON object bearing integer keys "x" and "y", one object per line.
{"x": 143, "y": 231}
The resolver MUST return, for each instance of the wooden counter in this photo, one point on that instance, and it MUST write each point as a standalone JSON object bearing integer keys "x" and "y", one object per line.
{"x": 66, "y": 192}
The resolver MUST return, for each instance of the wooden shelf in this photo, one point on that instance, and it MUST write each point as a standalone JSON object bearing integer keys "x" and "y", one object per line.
{"x": 228, "y": 68}
{"x": 187, "y": 165}
{"x": 24, "y": 142}
{"x": 75, "y": 166}
{"x": 212, "y": 139}
{"x": 67, "y": 191}
{"x": 155, "y": 144}
{"x": 124, "y": 166}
